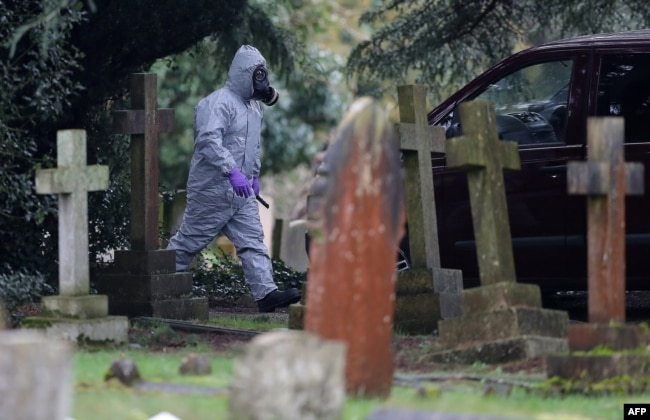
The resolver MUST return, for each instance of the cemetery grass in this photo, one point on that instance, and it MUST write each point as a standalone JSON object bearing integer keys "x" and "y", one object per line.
{"x": 158, "y": 351}
{"x": 259, "y": 322}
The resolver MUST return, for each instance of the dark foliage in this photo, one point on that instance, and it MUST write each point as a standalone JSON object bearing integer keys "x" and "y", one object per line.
{"x": 443, "y": 44}
{"x": 37, "y": 85}
{"x": 19, "y": 287}
{"x": 224, "y": 280}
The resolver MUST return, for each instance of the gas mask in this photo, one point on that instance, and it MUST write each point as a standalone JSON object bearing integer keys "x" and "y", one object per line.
{"x": 262, "y": 90}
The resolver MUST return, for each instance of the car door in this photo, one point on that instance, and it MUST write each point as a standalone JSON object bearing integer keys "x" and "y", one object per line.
{"x": 538, "y": 104}
{"x": 622, "y": 88}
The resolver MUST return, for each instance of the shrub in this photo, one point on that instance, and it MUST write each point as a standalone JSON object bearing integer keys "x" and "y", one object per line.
{"x": 18, "y": 287}
{"x": 223, "y": 279}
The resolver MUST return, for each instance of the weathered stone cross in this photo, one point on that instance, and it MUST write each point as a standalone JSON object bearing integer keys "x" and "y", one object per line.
{"x": 480, "y": 152}
{"x": 417, "y": 141}
{"x": 502, "y": 320}
{"x": 605, "y": 178}
{"x": 72, "y": 180}
{"x": 144, "y": 122}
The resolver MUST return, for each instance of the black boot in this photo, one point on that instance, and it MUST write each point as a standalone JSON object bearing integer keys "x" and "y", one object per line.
{"x": 278, "y": 299}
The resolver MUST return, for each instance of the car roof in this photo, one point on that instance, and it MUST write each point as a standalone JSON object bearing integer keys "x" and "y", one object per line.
{"x": 641, "y": 36}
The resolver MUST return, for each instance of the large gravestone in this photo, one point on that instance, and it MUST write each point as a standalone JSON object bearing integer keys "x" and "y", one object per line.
{"x": 289, "y": 243}
{"x": 75, "y": 313}
{"x": 36, "y": 376}
{"x": 144, "y": 281}
{"x": 502, "y": 320}
{"x": 426, "y": 292}
{"x": 605, "y": 178}
{"x": 288, "y": 375}
{"x": 356, "y": 218}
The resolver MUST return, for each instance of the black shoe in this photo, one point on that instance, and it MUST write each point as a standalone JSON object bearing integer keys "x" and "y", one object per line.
{"x": 278, "y": 299}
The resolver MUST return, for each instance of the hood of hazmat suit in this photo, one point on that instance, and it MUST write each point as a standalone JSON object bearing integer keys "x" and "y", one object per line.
{"x": 227, "y": 126}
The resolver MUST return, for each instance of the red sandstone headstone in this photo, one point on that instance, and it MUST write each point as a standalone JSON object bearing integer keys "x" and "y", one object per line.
{"x": 356, "y": 218}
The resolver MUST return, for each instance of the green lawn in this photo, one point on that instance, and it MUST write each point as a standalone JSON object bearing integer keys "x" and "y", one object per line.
{"x": 97, "y": 400}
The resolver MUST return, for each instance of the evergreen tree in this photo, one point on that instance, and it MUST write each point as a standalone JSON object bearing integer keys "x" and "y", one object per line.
{"x": 445, "y": 43}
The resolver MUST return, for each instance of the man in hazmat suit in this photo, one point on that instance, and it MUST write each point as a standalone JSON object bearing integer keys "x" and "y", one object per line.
{"x": 223, "y": 180}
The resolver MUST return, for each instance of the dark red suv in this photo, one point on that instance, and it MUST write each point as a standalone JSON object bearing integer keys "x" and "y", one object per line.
{"x": 543, "y": 97}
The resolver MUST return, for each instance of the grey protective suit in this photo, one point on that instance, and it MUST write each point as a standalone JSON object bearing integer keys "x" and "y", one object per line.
{"x": 227, "y": 126}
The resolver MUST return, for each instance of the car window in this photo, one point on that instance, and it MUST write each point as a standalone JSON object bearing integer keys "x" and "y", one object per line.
{"x": 624, "y": 90}
{"x": 530, "y": 103}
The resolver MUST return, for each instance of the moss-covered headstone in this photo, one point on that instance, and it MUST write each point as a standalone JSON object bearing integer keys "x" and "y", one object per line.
{"x": 502, "y": 320}
{"x": 426, "y": 292}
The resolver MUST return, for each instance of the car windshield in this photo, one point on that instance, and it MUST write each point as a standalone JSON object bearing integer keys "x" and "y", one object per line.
{"x": 532, "y": 88}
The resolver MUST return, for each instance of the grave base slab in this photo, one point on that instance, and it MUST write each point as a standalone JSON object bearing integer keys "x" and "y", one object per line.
{"x": 449, "y": 284}
{"x": 502, "y": 351}
{"x": 146, "y": 262}
{"x": 296, "y": 316}
{"x": 86, "y": 306}
{"x": 586, "y": 337}
{"x": 596, "y": 368}
{"x": 503, "y": 324}
{"x": 417, "y": 305}
{"x": 391, "y": 413}
{"x": 497, "y": 296}
{"x": 126, "y": 286}
{"x": 110, "y": 328}
{"x": 177, "y": 308}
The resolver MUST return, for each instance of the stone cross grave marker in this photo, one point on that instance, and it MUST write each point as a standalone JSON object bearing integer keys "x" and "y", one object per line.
{"x": 144, "y": 122}
{"x": 356, "y": 218}
{"x": 605, "y": 178}
{"x": 417, "y": 141}
{"x": 484, "y": 156}
{"x": 72, "y": 180}
{"x": 145, "y": 281}
{"x": 76, "y": 312}
{"x": 501, "y": 320}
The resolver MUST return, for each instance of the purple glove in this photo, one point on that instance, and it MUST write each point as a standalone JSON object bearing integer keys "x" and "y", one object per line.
{"x": 239, "y": 183}
{"x": 256, "y": 185}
